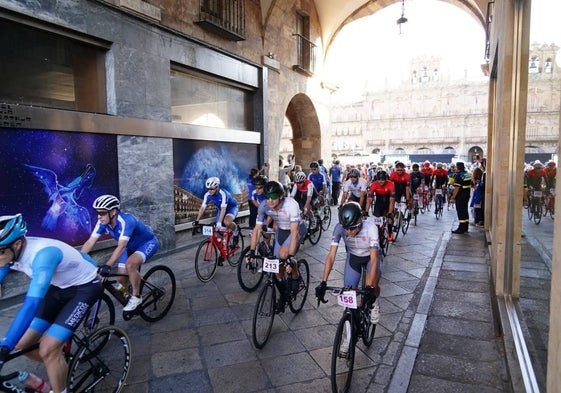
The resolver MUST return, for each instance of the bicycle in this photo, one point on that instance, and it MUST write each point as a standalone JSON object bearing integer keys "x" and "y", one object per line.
{"x": 415, "y": 208}
{"x": 383, "y": 234}
{"x": 250, "y": 272}
{"x": 535, "y": 207}
{"x": 324, "y": 211}
{"x": 354, "y": 324}
{"x": 426, "y": 200}
{"x": 549, "y": 203}
{"x": 313, "y": 223}
{"x": 289, "y": 293}
{"x": 217, "y": 247}
{"x": 157, "y": 288}
{"x": 100, "y": 363}
{"x": 438, "y": 203}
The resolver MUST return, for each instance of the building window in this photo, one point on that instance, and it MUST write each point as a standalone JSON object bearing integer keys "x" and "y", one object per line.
{"x": 223, "y": 17}
{"x": 534, "y": 65}
{"x": 41, "y": 68}
{"x": 306, "y": 49}
{"x": 548, "y": 66}
{"x": 200, "y": 100}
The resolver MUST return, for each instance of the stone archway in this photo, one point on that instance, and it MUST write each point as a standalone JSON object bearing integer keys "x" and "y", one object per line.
{"x": 306, "y": 131}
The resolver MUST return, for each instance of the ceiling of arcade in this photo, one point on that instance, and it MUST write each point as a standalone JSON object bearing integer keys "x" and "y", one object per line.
{"x": 334, "y": 14}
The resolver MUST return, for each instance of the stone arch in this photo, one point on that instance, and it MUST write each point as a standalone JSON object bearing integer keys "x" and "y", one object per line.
{"x": 306, "y": 131}
{"x": 473, "y": 151}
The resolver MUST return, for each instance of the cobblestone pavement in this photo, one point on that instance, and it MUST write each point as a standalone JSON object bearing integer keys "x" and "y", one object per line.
{"x": 435, "y": 333}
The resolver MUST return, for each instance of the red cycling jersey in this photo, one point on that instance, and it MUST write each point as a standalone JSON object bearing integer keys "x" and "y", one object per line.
{"x": 304, "y": 188}
{"x": 440, "y": 177}
{"x": 387, "y": 189}
{"x": 428, "y": 172}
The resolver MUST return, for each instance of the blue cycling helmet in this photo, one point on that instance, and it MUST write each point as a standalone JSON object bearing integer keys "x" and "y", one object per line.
{"x": 11, "y": 229}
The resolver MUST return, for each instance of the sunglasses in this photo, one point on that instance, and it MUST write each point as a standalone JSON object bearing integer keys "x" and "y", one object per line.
{"x": 354, "y": 177}
{"x": 273, "y": 197}
{"x": 258, "y": 187}
{"x": 102, "y": 213}
{"x": 352, "y": 228}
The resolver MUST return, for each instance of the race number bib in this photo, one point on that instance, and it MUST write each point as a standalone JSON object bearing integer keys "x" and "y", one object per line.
{"x": 207, "y": 230}
{"x": 347, "y": 299}
{"x": 537, "y": 194}
{"x": 378, "y": 220}
{"x": 438, "y": 191}
{"x": 416, "y": 197}
{"x": 271, "y": 265}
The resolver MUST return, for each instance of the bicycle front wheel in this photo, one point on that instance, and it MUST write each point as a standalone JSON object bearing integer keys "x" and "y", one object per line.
{"x": 368, "y": 329}
{"x": 406, "y": 220}
{"x": 326, "y": 217}
{"x": 397, "y": 222}
{"x": 343, "y": 356}
{"x": 263, "y": 315}
{"x": 314, "y": 229}
{"x": 303, "y": 284}
{"x": 101, "y": 363}
{"x": 206, "y": 260}
{"x": 157, "y": 289}
{"x": 250, "y": 273}
{"x": 235, "y": 251}
{"x": 538, "y": 211}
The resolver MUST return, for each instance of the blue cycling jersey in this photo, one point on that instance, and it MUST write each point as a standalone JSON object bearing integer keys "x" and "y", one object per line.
{"x": 318, "y": 179}
{"x": 336, "y": 172}
{"x": 47, "y": 262}
{"x": 128, "y": 228}
{"x": 221, "y": 199}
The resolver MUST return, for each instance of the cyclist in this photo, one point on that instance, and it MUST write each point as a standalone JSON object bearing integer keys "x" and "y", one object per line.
{"x": 427, "y": 170}
{"x": 417, "y": 179}
{"x": 533, "y": 179}
{"x": 304, "y": 193}
{"x": 440, "y": 179}
{"x": 290, "y": 229}
{"x": 402, "y": 183}
{"x": 318, "y": 178}
{"x": 550, "y": 174}
{"x": 362, "y": 246}
{"x": 64, "y": 285}
{"x": 136, "y": 244}
{"x": 354, "y": 189}
{"x": 382, "y": 193}
{"x": 256, "y": 197}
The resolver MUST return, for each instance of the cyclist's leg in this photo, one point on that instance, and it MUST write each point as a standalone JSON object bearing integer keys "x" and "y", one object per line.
{"x": 135, "y": 260}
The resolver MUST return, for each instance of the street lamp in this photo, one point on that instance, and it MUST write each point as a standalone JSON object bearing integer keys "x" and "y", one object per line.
{"x": 402, "y": 19}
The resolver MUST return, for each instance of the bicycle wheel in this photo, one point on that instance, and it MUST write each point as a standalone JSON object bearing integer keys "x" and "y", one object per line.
{"x": 342, "y": 359}
{"x": 250, "y": 274}
{"x": 531, "y": 209}
{"x": 368, "y": 329}
{"x": 314, "y": 229}
{"x": 405, "y": 224}
{"x": 326, "y": 217}
{"x": 157, "y": 289}
{"x": 206, "y": 260}
{"x": 101, "y": 363}
{"x": 537, "y": 211}
{"x": 234, "y": 252}
{"x": 104, "y": 316}
{"x": 263, "y": 315}
{"x": 397, "y": 222}
{"x": 299, "y": 299}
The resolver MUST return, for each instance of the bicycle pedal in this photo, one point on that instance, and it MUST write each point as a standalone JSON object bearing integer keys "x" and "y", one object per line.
{"x": 220, "y": 261}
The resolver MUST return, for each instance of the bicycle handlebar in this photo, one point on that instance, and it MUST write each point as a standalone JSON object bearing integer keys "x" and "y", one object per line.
{"x": 339, "y": 290}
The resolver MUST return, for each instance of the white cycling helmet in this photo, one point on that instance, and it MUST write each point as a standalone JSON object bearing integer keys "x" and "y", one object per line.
{"x": 212, "y": 182}
{"x": 299, "y": 177}
{"x": 106, "y": 202}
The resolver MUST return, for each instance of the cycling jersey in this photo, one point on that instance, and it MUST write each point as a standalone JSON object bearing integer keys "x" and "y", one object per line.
{"x": 288, "y": 213}
{"x": 550, "y": 176}
{"x": 48, "y": 262}
{"x": 138, "y": 235}
{"x": 221, "y": 199}
{"x": 427, "y": 172}
{"x": 301, "y": 191}
{"x": 356, "y": 188}
{"x": 417, "y": 178}
{"x": 255, "y": 196}
{"x": 318, "y": 179}
{"x": 383, "y": 194}
{"x": 336, "y": 172}
{"x": 534, "y": 178}
{"x": 400, "y": 181}
{"x": 440, "y": 177}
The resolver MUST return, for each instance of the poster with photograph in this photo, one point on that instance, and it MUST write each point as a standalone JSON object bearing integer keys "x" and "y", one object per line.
{"x": 196, "y": 161}
{"x": 53, "y": 177}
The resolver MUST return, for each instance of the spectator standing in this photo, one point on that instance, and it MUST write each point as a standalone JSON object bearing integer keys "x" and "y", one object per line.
{"x": 336, "y": 174}
{"x": 460, "y": 196}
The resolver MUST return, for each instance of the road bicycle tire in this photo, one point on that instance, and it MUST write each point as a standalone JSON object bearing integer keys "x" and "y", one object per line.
{"x": 250, "y": 275}
{"x": 263, "y": 315}
{"x": 530, "y": 210}
{"x": 103, "y": 369}
{"x": 206, "y": 260}
{"x": 368, "y": 330}
{"x": 439, "y": 206}
{"x": 157, "y": 289}
{"x": 325, "y": 217}
{"x": 342, "y": 366}
{"x": 405, "y": 224}
{"x": 234, "y": 252}
{"x": 297, "y": 303}
{"x": 105, "y": 316}
{"x": 397, "y": 222}
{"x": 314, "y": 231}
{"x": 537, "y": 211}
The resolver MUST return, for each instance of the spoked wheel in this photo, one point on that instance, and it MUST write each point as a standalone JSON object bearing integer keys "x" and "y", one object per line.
{"x": 314, "y": 229}
{"x": 405, "y": 224}
{"x": 101, "y": 363}
{"x": 206, "y": 260}
{"x": 263, "y": 315}
{"x": 250, "y": 273}
{"x": 104, "y": 316}
{"x": 368, "y": 329}
{"x": 299, "y": 299}
{"x": 342, "y": 356}
{"x": 235, "y": 251}
{"x": 537, "y": 211}
{"x": 157, "y": 289}
{"x": 325, "y": 217}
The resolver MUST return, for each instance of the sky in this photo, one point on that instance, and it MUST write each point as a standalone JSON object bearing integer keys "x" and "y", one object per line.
{"x": 434, "y": 28}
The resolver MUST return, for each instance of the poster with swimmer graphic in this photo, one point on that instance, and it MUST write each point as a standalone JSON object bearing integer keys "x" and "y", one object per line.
{"x": 53, "y": 177}
{"x": 195, "y": 161}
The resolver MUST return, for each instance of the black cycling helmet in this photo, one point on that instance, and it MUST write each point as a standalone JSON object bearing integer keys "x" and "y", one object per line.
{"x": 382, "y": 175}
{"x": 415, "y": 166}
{"x": 259, "y": 180}
{"x": 314, "y": 165}
{"x": 274, "y": 187}
{"x": 350, "y": 215}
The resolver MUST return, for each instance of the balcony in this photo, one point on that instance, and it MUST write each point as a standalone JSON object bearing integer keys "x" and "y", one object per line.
{"x": 225, "y": 18}
{"x": 306, "y": 56}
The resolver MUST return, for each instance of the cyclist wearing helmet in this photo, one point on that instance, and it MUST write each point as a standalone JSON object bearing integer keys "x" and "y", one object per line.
{"x": 226, "y": 204}
{"x": 318, "y": 178}
{"x": 417, "y": 179}
{"x": 354, "y": 189}
{"x": 256, "y": 197}
{"x": 427, "y": 170}
{"x": 136, "y": 243}
{"x": 402, "y": 183}
{"x": 382, "y": 193}
{"x": 550, "y": 174}
{"x": 533, "y": 179}
{"x": 64, "y": 285}
{"x": 289, "y": 228}
{"x": 362, "y": 246}
{"x": 304, "y": 192}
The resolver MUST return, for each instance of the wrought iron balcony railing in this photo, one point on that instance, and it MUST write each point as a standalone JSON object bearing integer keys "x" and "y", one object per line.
{"x": 223, "y": 17}
{"x": 306, "y": 55}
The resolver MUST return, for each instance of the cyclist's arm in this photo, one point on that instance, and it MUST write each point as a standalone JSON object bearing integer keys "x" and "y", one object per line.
{"x": 255, "y": 236}
{"x": 222, "y": 215}
{"x": 329, "y": 261}
{"x": 43, "y": 267}
{"x": 372, "y": 276}
{"x": 294, "y": 237}
{"x": 88, "y": 245}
